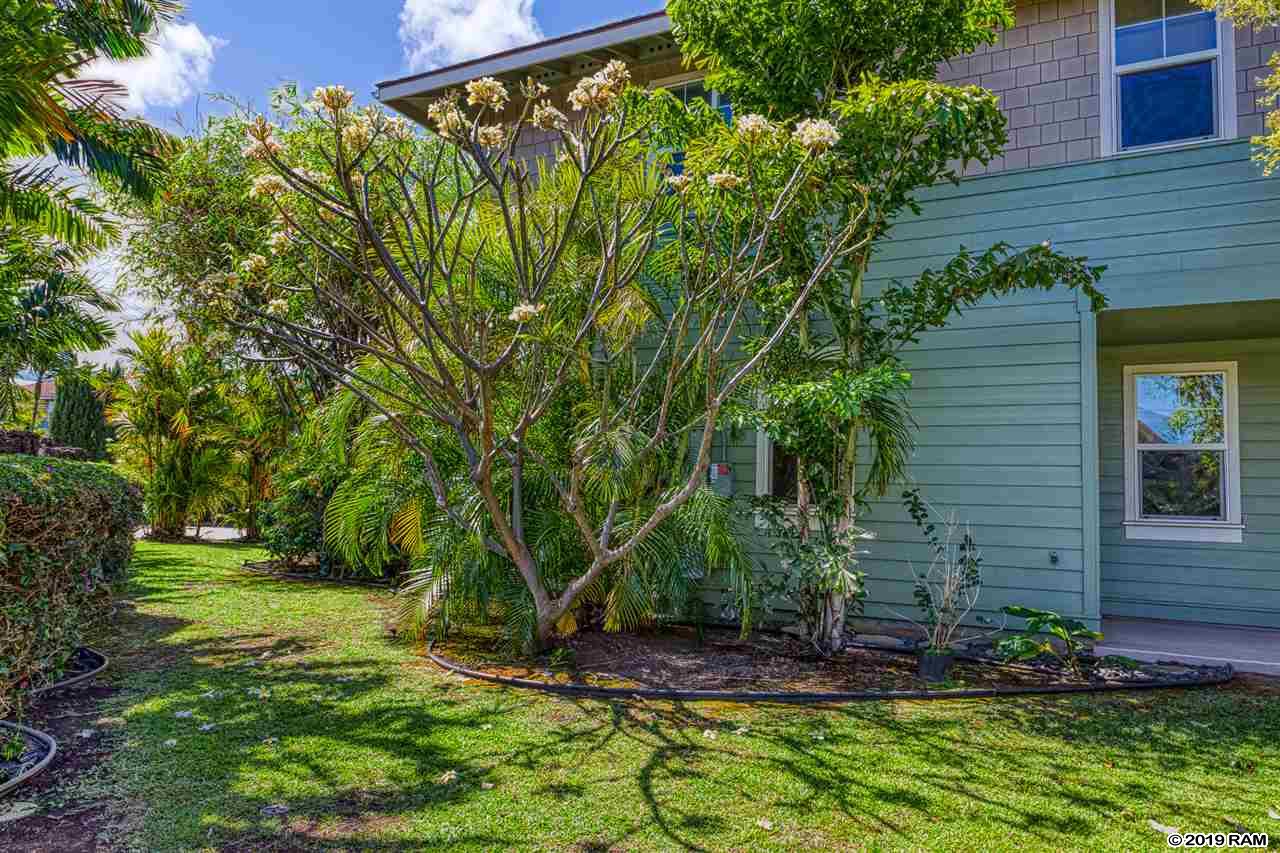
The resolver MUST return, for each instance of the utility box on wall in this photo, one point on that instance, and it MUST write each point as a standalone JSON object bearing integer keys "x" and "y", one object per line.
{"x": 720, "y": 477}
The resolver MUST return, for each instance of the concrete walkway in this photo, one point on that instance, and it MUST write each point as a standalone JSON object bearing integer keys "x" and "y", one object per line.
{"x": 1247, "y": 649}
{"x": 208, "y": 534}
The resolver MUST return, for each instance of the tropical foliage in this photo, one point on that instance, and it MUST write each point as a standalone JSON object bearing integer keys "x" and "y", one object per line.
{"x": 511, "y": 311}
{"x": 79, "y": 417}
{"x": 47, "y": 109}
{"x": 49, "y": 310}
{"x": 836, "y": 382}
{"x": 171, "y": 421}
{"x": 67, "y": 529}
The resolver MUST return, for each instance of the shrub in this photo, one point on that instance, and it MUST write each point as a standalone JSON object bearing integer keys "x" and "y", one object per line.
{"x": 66, "y": 534}
{"x": 306, "y": 477}
{"x": 79, "y": 417}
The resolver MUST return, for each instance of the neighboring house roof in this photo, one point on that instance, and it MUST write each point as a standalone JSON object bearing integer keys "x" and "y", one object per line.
{"x": 48, "y": 389}
{"x": 643, "y": 39}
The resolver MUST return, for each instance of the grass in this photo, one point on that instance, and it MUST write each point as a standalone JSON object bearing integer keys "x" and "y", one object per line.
{"x": 361, "y": 739}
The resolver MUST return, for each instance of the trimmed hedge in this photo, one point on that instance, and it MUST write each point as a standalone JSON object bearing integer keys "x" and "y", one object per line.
{"x": 66, "y": 535}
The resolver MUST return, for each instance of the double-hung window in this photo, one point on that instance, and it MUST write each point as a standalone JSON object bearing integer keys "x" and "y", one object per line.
{"x": 1168, "y": 75}
{"x": 689, "y": 88}
{"x": 1182, "y": 453}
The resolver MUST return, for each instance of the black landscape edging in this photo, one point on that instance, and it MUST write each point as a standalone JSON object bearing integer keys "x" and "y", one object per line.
{"x": 815, "y": 698}
{"x": 25, "y": 776}
{"x": 76, "y": 679}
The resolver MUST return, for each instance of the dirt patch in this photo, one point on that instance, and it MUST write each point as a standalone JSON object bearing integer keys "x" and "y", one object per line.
{"x": 66, "y": 823}
{"x": 675, "y": 658}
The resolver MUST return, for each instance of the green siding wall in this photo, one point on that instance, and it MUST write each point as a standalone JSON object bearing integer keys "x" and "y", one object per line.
{"x": 1228, "y": 584}
{"x": 1005, "y": 396}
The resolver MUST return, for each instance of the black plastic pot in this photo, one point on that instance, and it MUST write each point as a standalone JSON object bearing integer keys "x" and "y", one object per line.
{"x": 935, "y": 668}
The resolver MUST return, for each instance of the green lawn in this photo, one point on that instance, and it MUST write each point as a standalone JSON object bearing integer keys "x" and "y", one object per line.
{"x": 360, "y": 738}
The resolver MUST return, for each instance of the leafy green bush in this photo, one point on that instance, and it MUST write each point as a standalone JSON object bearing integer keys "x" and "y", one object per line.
{"x": 66, "y": 534}
{"x": 306, "y": 476}
{"x": 1043, "y": 626}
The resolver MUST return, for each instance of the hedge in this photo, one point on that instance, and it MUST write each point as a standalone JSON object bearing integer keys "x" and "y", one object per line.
{"x": 66, "y": 536}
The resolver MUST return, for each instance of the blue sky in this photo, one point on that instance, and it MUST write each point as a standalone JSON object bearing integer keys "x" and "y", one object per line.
{"x": 246, "y": 47}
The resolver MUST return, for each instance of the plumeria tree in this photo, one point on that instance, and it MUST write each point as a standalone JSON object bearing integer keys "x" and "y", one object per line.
{"x": 835, "y": 383}
{"x": 571, "y": 322}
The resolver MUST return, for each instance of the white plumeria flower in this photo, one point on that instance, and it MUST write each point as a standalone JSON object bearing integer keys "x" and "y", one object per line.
{"x": 269, "y": 186}
{"x": 183, "y": 715}
{"x": 679, "y": 183}
{"x": 333, "y": 98}
{"x": 448, "y": 777}
{"x": 816, "y": 135}
{"x": 526, "y": 312}
{"x": 487, "y": 92}
{"x": 755, "y": 127}
{"x": 724, "y": 181}
{"x": 170, "y": 743}
{"x": 600, "y": 90}
{"x": 208, "y": 727}
{"x": 547, "y": 117}
{"x": 491, "y": 136}
{"x": 446, "y": 116}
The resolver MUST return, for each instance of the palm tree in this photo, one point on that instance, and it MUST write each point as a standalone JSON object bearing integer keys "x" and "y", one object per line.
{"x": 172, "y": 426}
{"x": 47, "y": 109}
{"x": 49, "y": 310}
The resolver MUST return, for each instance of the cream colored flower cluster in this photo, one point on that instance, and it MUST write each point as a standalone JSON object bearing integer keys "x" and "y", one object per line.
{"x": 447, "y": 117}
{"x": 279, "y": 242}
{"x": 335, "y": 99}
{"x": 260, "y": 149}
{"x": 724, "y": 181}
{"x": 525, "y": 312}
{"x": 357, "y": 134}
{"x": 679, "y": 183}
{"x": 268, "y": 186}
{"x": 816, "y": 135}
{"x": 254, "y": 266}
{"x": 756, "y": 128}
{"x": 602, "y": 89}
{"x": 487, "y": 92}
{"x": 547, "y": 117}
{"x": 279, "y": 307}
{"x": 491, "y": 136}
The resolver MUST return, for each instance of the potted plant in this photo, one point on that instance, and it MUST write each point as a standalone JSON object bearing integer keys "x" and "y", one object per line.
{"x": 947, "y": 592}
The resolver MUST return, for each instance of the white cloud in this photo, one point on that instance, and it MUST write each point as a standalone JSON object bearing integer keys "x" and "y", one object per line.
{"x": 441, "y": 32}
{"x": 177, "y": 67}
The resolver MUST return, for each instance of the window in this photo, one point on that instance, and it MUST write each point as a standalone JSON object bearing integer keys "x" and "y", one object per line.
{"x": 1168, "y": 75}
{"x": 689, "y": 89}
{"x": 1182, "y": 453}
{"x": 776, "y": 472}
{"x": 692, "y": 90}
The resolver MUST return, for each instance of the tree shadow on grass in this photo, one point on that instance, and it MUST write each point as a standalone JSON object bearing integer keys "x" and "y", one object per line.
{"x": 869, "y": 771}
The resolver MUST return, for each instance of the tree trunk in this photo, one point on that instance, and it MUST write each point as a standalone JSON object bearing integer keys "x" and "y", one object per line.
{"x": 38, "y": 388}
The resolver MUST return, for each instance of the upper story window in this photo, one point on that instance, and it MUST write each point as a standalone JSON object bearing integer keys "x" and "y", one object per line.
{"x": 1168, "y": 74}
{"x": 689, "y": 91}
{"x": 1182, "y": 449}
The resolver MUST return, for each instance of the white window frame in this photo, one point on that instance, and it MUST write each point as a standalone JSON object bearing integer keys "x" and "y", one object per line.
{"x": 681, "y": 79}
{"x": 764, "y": 464}
{"x": 1227, "y": 121}
{"x": 1231, "y": 529}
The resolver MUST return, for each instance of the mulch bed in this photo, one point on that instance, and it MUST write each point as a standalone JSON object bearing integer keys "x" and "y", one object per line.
{"x": 82, "y": 662}
{"x": 33, "y": 752}
{"x": 675, "y": 659}
{"x": 280, "y": 570}
{"x": 70, "y": 826}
